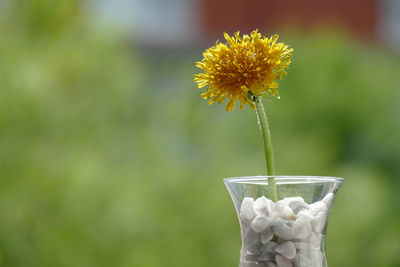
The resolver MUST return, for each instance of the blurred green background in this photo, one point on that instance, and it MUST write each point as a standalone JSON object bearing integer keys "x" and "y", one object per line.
{"x": 109, "y": 157}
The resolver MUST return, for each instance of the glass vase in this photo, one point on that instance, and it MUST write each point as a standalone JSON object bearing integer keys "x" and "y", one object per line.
{"x": 289, "y": 232}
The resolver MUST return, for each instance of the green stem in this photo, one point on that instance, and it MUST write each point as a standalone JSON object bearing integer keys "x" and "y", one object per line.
{"x": 269, "y": 156}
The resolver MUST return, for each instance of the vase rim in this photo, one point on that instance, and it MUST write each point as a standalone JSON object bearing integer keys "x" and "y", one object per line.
{"x": 283, "y": 179}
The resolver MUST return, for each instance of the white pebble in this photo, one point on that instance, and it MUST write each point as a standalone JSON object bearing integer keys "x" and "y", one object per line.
{"x": 286, "y": 249}
{"x": 305, "y": 213}
{"x": 266, "y": 235}
{"x": 315, "y": 239}
{"x": 287, "y": 213}
{"x": 317, "y": 207}
{"x": 301, "y": 207}
{"x": 294, "y": 202}
{"x": 250, "y": 264}
{"x": 293, "y": 225}
{"x": 304, "y": 246}
{"x": 269, "y": 247}
{"x": 259, "y": 223}
{"x": 301, "y": 227}
{"x": 270, "y": 264}
{"x": 247, "y": 209}
{"x": 253, "y": 264}
{"x": 327, "y": 199}
{"x": 317, "y": 258}
{"x": 319, "y": 222}
{"x": 282, "y": 261}
{"x": 252, "y": 241}
{"x": 262, "y": 206}
{"x": 266, "y": 256}
{"x": 283, "y": 231}
{"x": 274, "y": 219}
{"x": 279, "y": 206}
{"x": 301, "y": 260}
{"x": 251, "y": 256}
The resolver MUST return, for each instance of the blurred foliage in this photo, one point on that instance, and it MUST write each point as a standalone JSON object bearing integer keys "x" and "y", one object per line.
{"x": 109, "y": 157}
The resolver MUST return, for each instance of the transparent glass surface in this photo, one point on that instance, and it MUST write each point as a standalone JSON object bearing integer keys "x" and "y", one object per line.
{"x": 287, "y": 232}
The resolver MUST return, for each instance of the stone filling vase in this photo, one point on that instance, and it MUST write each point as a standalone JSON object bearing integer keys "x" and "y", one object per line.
{"x": 290, "y": 232}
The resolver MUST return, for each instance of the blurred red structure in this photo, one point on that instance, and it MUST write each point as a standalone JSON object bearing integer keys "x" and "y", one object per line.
{"x": 359, "y": 17}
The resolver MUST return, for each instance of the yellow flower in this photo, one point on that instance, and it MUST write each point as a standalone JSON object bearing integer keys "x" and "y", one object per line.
{"x": 251, "y": 64}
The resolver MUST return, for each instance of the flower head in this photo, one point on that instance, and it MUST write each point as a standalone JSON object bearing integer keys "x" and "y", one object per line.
{"x": 242, "y": 66}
